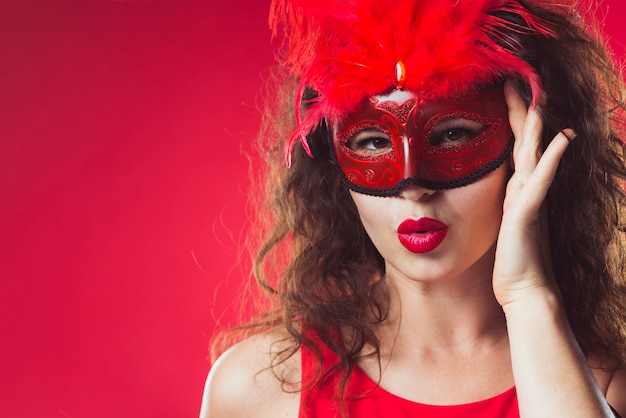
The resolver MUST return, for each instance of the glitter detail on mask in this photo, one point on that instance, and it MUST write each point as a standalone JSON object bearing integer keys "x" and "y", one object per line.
{"x": 401, "y": 112}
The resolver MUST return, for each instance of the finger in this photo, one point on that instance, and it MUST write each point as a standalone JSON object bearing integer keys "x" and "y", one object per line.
{"x": 517, "y": 109}
{"x": 529, "y": 149}
{"x": 527, "y": 128}
{"x": 539, "y": 182}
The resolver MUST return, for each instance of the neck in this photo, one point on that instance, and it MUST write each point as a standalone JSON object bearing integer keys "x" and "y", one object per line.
{"x": 458, "y": 314}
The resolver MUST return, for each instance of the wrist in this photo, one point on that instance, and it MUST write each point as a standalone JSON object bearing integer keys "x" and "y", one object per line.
{"x": 541, "y": 302}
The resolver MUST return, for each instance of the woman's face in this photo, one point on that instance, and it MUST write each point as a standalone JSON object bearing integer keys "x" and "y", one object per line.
{"x": 430, "y": 235}
{"x": 420, "y": 232}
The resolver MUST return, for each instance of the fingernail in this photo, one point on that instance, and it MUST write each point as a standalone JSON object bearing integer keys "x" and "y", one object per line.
{"x": 570, "y": 136}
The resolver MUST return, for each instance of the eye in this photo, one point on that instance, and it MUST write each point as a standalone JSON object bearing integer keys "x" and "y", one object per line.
{"x": 451, "y": 132}
{"x": 370, "y": 142}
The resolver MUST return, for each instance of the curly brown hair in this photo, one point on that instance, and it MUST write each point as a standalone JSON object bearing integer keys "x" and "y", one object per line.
{"x": 320, "y": 270}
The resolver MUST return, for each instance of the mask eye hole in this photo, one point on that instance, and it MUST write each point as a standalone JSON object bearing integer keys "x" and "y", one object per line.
{"x": 455, "y": 131}
{"x": 370, "y": 143}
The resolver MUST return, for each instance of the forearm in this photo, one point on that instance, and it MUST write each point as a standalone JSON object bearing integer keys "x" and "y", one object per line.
{"x": 551, "y": 373}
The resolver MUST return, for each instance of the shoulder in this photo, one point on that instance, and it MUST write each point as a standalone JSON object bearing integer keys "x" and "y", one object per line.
{"x": 612, "y": 383}
{"x": 616, "y": 391}
{"x": 246, "y": 381}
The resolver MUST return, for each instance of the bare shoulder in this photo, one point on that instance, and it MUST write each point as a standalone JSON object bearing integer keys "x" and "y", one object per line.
{"x": 616, "y": 391}
{"x": 612, "y": 384}
{"x": 246, "y": 382}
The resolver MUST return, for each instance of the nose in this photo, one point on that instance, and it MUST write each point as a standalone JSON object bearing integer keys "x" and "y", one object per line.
{"x": 412, "y": 155}
{"x": 416, "y": 192}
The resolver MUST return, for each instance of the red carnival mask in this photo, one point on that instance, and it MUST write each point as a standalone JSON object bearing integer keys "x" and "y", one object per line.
{"x": 399, "y": 139}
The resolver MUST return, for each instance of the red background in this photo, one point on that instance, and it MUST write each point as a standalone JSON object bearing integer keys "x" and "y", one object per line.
{"x": 122, "y": 190}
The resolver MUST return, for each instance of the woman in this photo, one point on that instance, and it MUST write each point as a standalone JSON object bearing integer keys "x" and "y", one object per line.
{"x": 447, "y": 239}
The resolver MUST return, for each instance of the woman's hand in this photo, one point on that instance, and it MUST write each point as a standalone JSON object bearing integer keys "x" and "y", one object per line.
{"x": 552, "y": 376}
{"x": 523, "y": 263}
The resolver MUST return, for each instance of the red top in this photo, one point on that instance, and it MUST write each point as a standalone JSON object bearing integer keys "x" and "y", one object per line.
{"x": 366, "y": 399}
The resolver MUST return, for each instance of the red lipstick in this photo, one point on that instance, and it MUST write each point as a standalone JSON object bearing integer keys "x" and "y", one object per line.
{"x": 422, "y": 235}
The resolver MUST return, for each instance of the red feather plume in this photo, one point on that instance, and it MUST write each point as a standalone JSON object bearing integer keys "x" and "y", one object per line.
{"x": 348, "y": 50}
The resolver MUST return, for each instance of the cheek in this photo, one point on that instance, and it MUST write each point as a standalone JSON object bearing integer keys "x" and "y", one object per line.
{"x": 482, "y": 201}
{"x": 364, "y": 208}
{"x": 374, "y": 214}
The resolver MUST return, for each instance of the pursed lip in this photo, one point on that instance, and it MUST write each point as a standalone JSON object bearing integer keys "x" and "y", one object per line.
{"x": 422, "y": 235}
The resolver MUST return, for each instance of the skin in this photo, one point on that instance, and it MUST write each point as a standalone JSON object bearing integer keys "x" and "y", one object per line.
{"x": 507, "y": 325}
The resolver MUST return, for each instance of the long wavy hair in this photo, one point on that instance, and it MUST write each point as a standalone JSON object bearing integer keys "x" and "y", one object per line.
{"x": 319, "y": 270}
